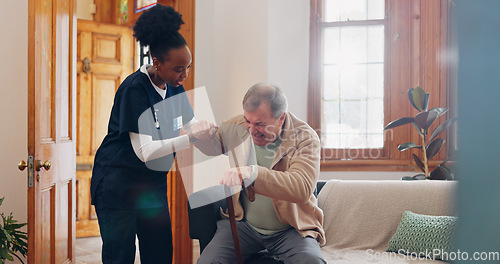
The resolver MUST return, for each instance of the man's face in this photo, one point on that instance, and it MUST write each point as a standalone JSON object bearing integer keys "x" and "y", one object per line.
{"x": 262, "y": 125}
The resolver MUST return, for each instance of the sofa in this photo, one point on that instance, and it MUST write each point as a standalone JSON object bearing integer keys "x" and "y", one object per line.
{"x": 360, "y": 217}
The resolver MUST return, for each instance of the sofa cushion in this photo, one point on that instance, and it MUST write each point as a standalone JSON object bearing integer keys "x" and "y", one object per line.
{"x": 426, "y": 235}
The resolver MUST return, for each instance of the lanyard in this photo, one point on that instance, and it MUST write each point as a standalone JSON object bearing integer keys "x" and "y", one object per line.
{"x": 154, "y": 111}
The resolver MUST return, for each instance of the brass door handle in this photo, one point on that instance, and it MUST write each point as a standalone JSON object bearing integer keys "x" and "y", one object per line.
{"x": 86, "y": 65}
{"x": 43, "y": 165}
{"x": 22, "y": 165}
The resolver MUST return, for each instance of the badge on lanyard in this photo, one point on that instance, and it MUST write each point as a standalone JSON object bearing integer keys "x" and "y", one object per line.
{"x": 177, "y": 123}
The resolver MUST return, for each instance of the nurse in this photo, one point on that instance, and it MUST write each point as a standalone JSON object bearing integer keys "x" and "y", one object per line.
{"x": 129, "y": 183}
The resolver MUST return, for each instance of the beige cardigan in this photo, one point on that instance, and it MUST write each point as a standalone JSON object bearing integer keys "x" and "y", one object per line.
{"x": 291, "y": 182}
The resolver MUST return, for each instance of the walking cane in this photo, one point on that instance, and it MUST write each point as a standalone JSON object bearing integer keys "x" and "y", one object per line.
{"x": 230, "y": 207}
{"x": 232, "y": 218}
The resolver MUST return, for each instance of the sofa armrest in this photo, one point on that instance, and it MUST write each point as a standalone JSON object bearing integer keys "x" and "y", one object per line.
{"x": 203, "y": 219}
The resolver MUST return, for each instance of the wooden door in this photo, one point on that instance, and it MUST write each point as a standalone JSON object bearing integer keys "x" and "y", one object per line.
{"x": 105, "y": 57}
{"x": 51, "y": 131}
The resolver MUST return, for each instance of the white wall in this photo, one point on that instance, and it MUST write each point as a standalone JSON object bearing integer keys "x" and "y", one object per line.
{"x": 240, "y": 43}
{"x": 288, "y": 51}
{"x": 231, "y": 51}
{"x": 13, "y": 106}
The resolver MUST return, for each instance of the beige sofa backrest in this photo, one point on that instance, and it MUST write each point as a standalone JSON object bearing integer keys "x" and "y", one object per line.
{"x": 361, "y": 214}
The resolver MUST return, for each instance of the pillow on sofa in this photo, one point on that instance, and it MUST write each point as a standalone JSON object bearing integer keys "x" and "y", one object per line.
{"x": 424, "y": 235}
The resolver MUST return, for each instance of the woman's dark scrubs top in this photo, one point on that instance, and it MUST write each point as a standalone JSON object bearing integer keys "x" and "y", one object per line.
{"x": 119, "y": 178}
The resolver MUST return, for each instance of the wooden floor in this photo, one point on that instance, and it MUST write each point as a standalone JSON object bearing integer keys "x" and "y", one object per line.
{"x": 88, "y": 251}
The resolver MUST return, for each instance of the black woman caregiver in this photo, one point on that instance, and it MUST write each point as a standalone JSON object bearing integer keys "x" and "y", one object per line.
{"x": 150, "y": 108}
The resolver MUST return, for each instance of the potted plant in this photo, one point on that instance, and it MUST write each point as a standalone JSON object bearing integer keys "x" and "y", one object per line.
{"x": 429, "y": 146}
{"x": 12, "y": 240}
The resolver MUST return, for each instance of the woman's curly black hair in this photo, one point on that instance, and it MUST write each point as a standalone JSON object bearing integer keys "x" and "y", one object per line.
{"x": 158, "y": 28}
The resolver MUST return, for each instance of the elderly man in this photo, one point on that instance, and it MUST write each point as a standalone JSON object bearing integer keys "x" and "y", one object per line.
{"x": 284, "y": 218}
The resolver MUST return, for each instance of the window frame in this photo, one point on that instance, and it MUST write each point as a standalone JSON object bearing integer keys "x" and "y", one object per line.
{"x": 415, "y": 29}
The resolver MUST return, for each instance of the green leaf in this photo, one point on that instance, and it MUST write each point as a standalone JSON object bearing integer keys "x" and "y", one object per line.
{"x": 419, "y": 176}
{"x": 442, "y": 127}
{"x": 399, "y": 122}
{"x": 419, "y": 162}
{"x": 408, "y": 145}
{"x": 410, "y": 98}
{"x": 20, "y": 233}
{"x": 425, "y": 119}
{"x": 14, "y": 226}
{"x": 5, "y": 254}
{"x": 426, "y": 102}
{"x": 447, "y": 172}
{"x": 418, "y": 97}
{"x": 1, "y": 200}
{"x": 12, "y": 240}
{"x": 434, "y": 147}
{"x": 441, "y": 173}
{"x": 440, "y": 110}
{"x": 436, "y": 174}
{"x": 421, "y": 119}
{"x": 442, "y": 163}
{"x": 7, "y": 236}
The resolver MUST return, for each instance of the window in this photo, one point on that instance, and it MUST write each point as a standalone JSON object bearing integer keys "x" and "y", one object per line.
{"x": 353, "y": 74}
{"x": 365, "y": 55}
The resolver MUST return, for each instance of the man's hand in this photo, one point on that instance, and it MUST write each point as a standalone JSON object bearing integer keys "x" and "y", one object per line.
{"x": 202, "y": 130}
{"x": 232, "y": 176}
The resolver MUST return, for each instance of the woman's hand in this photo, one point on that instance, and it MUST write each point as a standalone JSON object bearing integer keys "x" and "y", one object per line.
{"x": 232, "y": 176}
{"x": 202, "y": 130}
